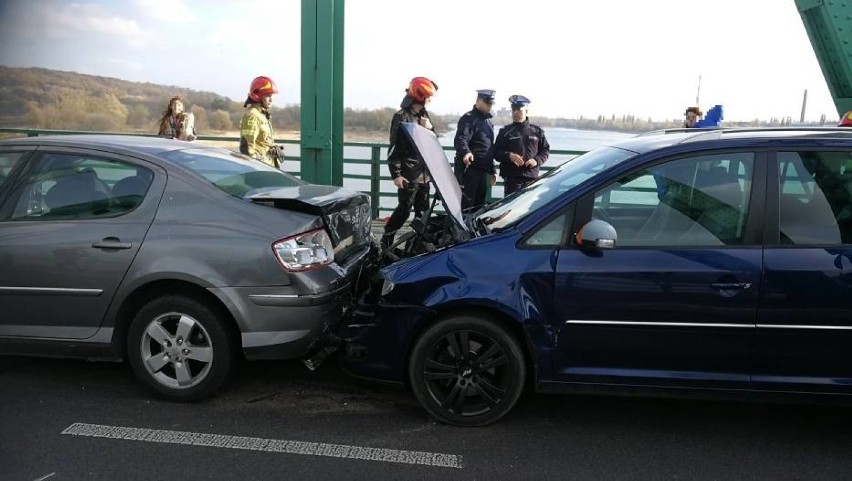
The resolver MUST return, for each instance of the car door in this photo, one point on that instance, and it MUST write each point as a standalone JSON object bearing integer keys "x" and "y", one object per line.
{"x": 70, "y": 228}
{"x": 804, "y": 332}
{"x": 675, "y": 300}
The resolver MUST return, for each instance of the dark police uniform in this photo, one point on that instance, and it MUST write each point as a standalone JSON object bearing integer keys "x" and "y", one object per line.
{"x": 475, "y": 134}
{"x": 403, "y": 160}
{"x": 524, "y": 139}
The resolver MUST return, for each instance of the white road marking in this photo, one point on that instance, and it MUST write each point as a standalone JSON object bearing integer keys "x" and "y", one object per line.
{"x": 45, "y": 477}
{"x": 264, "y": 444}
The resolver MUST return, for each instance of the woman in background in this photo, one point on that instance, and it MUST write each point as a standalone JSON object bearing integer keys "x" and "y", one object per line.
{"x": 177, "y": 124}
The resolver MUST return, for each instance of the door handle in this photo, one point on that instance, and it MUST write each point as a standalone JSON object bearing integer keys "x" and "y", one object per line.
{"x": 111, "y": 243}
{"x": 731, "y": 286}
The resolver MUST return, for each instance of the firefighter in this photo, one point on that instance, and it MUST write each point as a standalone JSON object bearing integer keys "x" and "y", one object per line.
{"x": 407, "y": 169}
{"x": 474, "y": 165}
{"x": 256, "y": 134}
{"x": 521, "y": 148}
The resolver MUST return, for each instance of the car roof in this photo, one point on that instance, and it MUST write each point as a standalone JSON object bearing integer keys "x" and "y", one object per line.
{"x": 128, "y": 143}
{"x": 657, "y": 139}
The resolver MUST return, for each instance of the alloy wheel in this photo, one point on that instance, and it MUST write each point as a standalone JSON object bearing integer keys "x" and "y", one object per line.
{"x": 176, "y": 350}
{"x": 466, "y": 373}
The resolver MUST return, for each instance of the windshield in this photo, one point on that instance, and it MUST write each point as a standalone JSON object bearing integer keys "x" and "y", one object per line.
{"x": 235, "y": 174}
{"x": 558, "y": 181}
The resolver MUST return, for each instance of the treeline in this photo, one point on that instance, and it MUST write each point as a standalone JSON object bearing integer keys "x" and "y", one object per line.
{"x": 49, "y": 99}
{"x": 633, "y": 124}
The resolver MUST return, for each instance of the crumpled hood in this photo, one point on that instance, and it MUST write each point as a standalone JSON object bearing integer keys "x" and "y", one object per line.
{"x": 345, "y": 212}
{"x": 312, "y": 199}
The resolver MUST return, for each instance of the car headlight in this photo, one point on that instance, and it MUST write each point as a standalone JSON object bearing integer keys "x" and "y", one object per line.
{"x": 305, "y": 251}
{"x": 387, "y": 287}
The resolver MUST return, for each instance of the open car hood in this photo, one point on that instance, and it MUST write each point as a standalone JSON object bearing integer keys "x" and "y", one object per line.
{"x": 442, "y": 175}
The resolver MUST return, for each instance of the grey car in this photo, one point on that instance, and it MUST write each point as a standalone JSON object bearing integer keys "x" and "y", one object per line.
{"x": 177, "y": 257}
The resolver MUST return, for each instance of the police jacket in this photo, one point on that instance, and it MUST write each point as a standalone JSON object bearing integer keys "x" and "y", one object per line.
{"x": 403, "y": 159}
{"x": 256, "y": 134}
{"x": 526, "y": 140}
{"x": 475, "y": 134}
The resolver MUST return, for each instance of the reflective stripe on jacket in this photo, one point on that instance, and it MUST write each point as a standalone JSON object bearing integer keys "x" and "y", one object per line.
{"x": 257, "y": 135}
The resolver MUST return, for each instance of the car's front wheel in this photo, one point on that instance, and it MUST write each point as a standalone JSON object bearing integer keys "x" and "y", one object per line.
{"x": 467, "y": 371}
{"x": 180, "y": 348}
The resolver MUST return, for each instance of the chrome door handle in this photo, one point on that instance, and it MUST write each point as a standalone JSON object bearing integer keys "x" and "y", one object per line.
{"x": 729, "y": 286}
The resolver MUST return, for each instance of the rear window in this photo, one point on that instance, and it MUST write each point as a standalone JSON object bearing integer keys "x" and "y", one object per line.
{"x": 233, "y": 173}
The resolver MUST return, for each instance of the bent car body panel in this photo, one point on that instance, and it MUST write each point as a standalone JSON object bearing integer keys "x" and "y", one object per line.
{"x": 464, "y": 278}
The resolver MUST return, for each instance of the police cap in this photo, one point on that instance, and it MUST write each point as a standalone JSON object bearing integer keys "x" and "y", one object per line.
{"x": 519, "y": 101}
{"x": 486, "y": 95}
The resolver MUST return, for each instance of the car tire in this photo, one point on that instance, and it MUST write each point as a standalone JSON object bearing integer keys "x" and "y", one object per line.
{"x": 180, "y": 348}
{"x": 472, "y": 385}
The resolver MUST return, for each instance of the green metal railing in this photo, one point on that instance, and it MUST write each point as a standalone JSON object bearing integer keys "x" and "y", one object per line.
{"x": 372, "y": 158}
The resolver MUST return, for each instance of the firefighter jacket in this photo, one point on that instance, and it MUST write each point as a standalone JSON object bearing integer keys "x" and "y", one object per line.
{"x": 475, "y": 134}
{"x": 256, "y": 134}
{"x": 526, "y": 140}
{"x": 403, "y": 159}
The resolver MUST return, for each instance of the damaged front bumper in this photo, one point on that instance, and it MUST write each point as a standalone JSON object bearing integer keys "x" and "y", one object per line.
{"x": 377, "y": 337}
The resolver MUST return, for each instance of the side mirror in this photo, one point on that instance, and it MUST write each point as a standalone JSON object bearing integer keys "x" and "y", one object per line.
{"x": 597, "y": 234}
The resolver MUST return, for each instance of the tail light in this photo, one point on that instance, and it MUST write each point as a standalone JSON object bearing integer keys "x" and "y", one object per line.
{"x": 306, "y": 251}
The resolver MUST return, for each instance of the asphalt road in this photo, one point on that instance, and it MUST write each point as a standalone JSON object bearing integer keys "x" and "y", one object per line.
{"x": 282, "y": 422}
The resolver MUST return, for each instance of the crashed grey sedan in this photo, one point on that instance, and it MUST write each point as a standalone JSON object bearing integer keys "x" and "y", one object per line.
{"x": 177, "y": 257}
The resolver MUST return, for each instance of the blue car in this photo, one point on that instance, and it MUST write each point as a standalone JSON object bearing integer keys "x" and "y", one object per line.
{"x": 691, "y": 260}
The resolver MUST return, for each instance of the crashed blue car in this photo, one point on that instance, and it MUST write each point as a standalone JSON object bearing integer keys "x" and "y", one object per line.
{"x": 682, "y": 261}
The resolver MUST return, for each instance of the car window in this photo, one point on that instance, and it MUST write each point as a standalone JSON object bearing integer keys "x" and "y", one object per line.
{"x": 557, "y": 182}
{"x": 815, "y": 203}
{"x": 234, "y": 173}
{"x": 551, "y": 234}
{"x": 63, "y": 186}
{"x": 695, "y": 201}
{"x": 8, "y": 161}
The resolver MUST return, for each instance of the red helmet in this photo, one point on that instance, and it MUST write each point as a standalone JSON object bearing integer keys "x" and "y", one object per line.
{"x": 261, "y": 86}
{"x": 846, "y": 120}
{"x": 421, "y": 88}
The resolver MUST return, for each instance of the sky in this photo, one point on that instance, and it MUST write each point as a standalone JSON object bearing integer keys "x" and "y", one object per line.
{"x": 571, "y": 58}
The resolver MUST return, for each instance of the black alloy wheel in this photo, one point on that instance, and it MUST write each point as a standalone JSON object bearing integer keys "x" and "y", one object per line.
{"x": 467, "y": 371}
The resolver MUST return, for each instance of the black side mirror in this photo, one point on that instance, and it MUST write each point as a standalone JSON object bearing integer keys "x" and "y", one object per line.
{"x": 596, "y": 234}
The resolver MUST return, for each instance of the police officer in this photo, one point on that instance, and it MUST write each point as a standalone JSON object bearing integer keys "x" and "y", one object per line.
{"x": 407, "y": 169}
{"x": 520, "y": 148}
{"x": 256, "y": 134}
{"x": 474, "y": 165}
